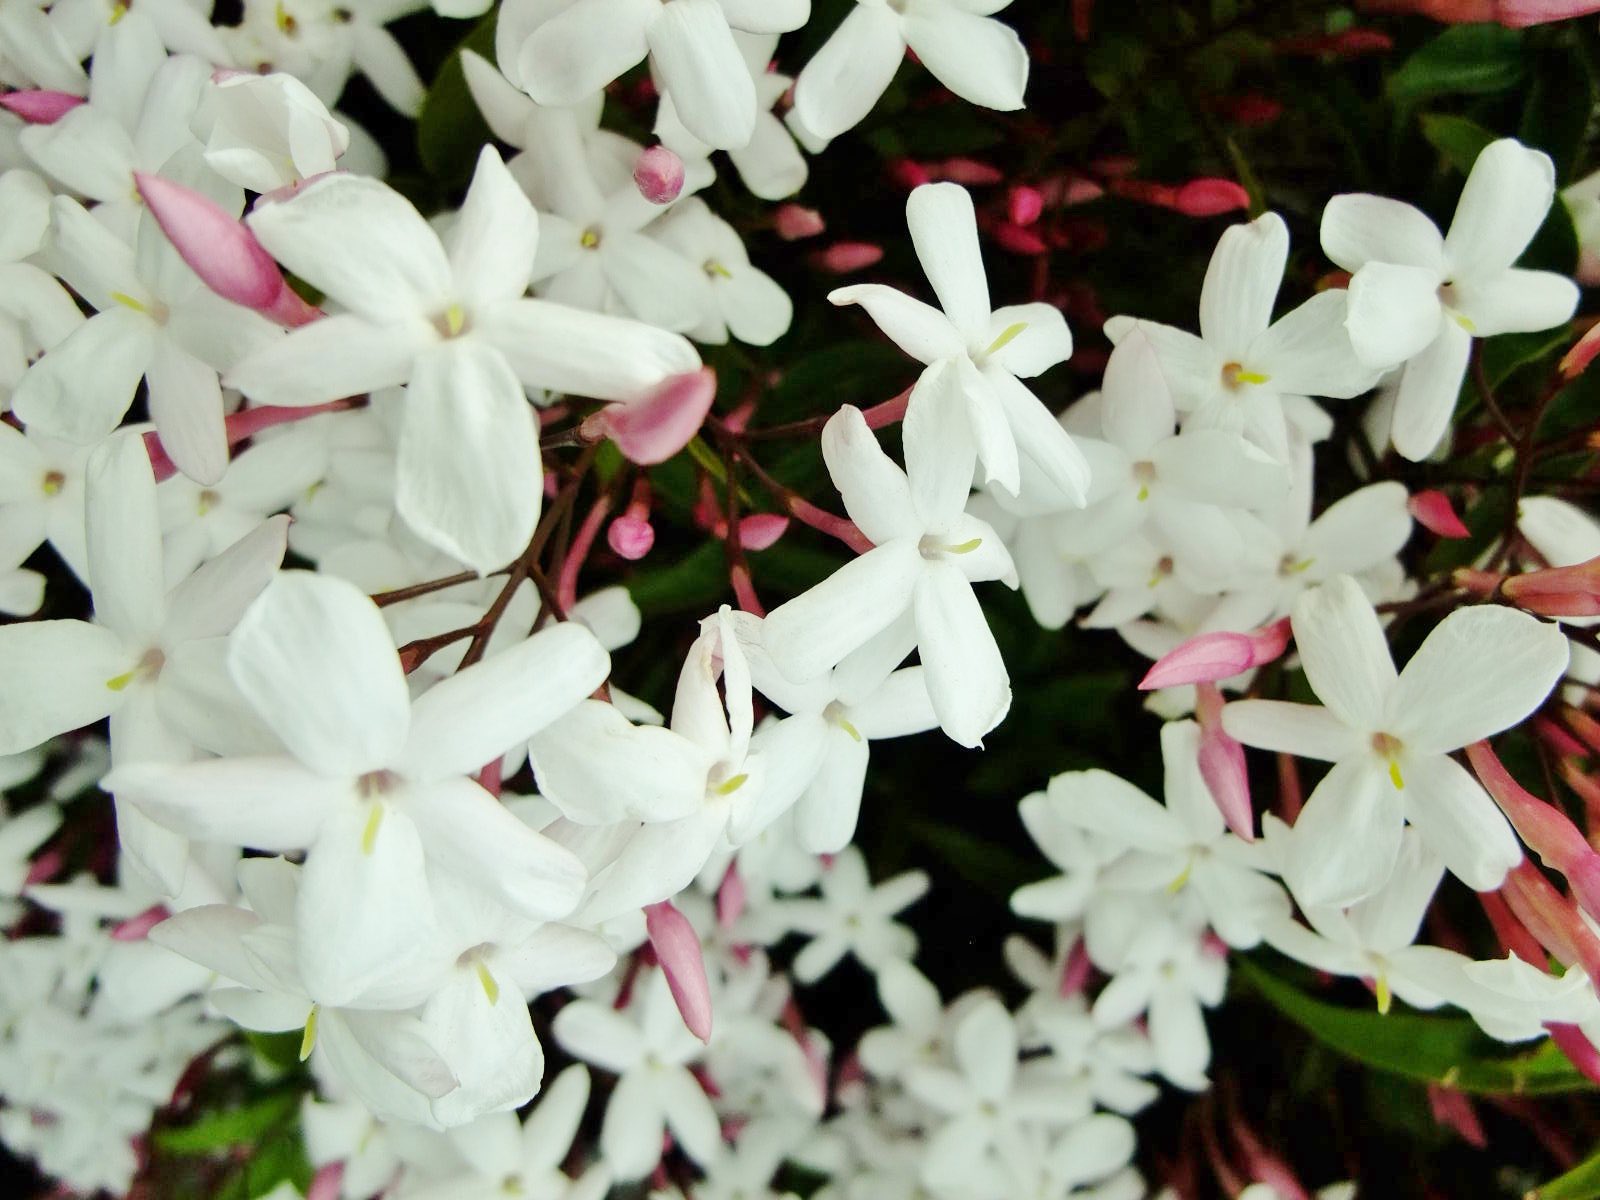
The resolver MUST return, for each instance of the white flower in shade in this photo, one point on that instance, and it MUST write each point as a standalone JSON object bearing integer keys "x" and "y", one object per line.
{"x": 155, "y": 321}
{"x": 833, "y": 719}
{"x": 1106, "y": 1067}
{"x": 149, "y": 660}
{"x": 851, "y": 917}
{"x": 1418, "y": 298}
{"x": 1389, "y": 736}
{"x": 36, "y": 312}
{"x": 41, "y": 498}
{"x": 927, "y": 554}
{"x": 770, "y": 165}
{"x": 973, "y": 55}
{"x": 580, "y": 47}
{"x": 1246, "y": 372}
{"x": 374, "y": 785}
{"x": 34, "y": 52}
{"x": 744, "y": 301}
{"x": 265, "y": 132}
{"x": 449, "y": 318}
{"x": 649, "y": 1049}
{"x": 975, "y": 353}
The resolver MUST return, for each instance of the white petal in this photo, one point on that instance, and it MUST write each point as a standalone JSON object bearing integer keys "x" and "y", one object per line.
{"x": 1345, "y": 654}
{"x": 596, "y": 1034}
{"x": 1516, "y": 302}
{"x": 1301, "y": 729}
{"x": 1482, "y": 669}
{"x": 1507, "y": 194}
{"x": 315, "y": 659}
{"x": 1214, "y": 467}
{"x": 1428, "y": 392}
{"x": 1358, "y": 229}
{"x": 81, "y": 388}
{"x": 825, "y": 819}
{"x": 630, "y": 1137}
{"x": 1459, "y": 821}
{"x": 944, "y": 230}
{"x": 123, "y": 533}
{"x": 1044, "y": 341}
{"x": 331, "y": 358}
{"x": 598, "y": 768}
{"x": 938, "y": 450}
{"x": 1242, "y": 282}
{"x": 584, "y": 353}
{"x": 494, "y": 237}
{"x": 978, "y": 59}
{"x": 844, "y": 79}
{"x": 186, "y": 405}
{"x": 690, "y": 1116}
{"x": 1358, "y": 531}
{"x": 361, "y": 242}
{"x": 771, "y": 166}
{"x": 701, "y": 68}
{"x": 1347, "y": 838}
{"x": 757, "y": 309}
{"x": 211, "y": 600}
{"x": 491, "y": 1047}
{"x": 467, "y": 477}
{"x": 264, "y": 803}
{"x": 1308, "y": 351}
{"x": 966, "y": 676}
{"x": 1393, "y": 312}
{"x": 1136, "y": 402}
{"x": 1040, "y": 438}
{"x": 875, "y": 491}
{"x": 813, "y": 632}
{"x": 57, "y": 677}
{"x": 584, "y": 47}
{"x": 919, "y": 329}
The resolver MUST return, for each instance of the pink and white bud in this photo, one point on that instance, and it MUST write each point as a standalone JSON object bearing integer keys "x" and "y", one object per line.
{"x": 1547, "y": 831}
{"x": 1519, "y": 14}
{"x": 656, "y": 426}
{"x": 658, "y": 174}
{"x": 1434, "y": 512}
{"x": 677, "y": 949}
{"x": 731, "y": 897}
{"x": 760, "y": 531}
{"x": 1558, "y": 591}
{"x": 222, "y": 251}
{"x": 39, "y": 106}
{"x": 1212, "y": 657}
{"x": 841, "y": 258}
{"x": 327, "y": 1183}
{"x": 1222, "y": 765}
{"x": 1552, "y": 918}
{"x": 630, "y": 537}
{"x": 793, "y": 222}
{"x": 1580, "y": 1051}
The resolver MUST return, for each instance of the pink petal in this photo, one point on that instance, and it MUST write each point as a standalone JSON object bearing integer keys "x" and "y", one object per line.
{"x": 39, "y": 106}
{"x": 677, "y": 949}
{"x": 1222, "y": 765}
{"x": 761, "y": 530}
{"x": 1435, "y": 513}
{"x": 794, "y": 222}
{"x": 658, "y": 174}
{"x": 652, "y": 429}
{"x": 1210, "y": 657}
{"x": 1210, "y": 197}
{"x": 1024, "y": 205}
{"x": 630, "y": 537}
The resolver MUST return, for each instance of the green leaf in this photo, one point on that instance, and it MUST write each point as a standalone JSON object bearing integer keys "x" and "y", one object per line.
{"x": 1558, "y": 108}
{"x": 450, "y": 129}
{"x": 1504, "y": 355}
{"x": 240, "y": 1126}
{"x": 692, "y": 582}
{"x": 1458, "y": 139}
{"x": 985, "y": 865}
{"x": 1463, "y": 60}
{"x": 1580, "y": 1183}
{"x": 1433, "y": 1049}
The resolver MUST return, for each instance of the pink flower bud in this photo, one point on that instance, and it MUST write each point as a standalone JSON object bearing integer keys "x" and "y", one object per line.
{"x": 658, "y": 174}
{"x": 1024, "y": 204}
{"x": 656, "y": 426}
{"x": 759, "y": 531}
{"x": 1558, "y": 591}
{"x": 1519, "y": 14}
{"x": 969, "y": 172}
{"x": 794, "y": 222}
{"x": 1580, "y": 1051}
{"x": 327, "y": 1182}
{"x": 1559, "y": 843}
{"x": 135, "y": 929}
{"x": 1076, "y": 970}
{"x": 1349, "y": 44}
{"x": 1434, "y": 512}
{"x": 1020, "y": 240}
{"x": 39, "y": 106}
{"x": 1210, "y": 657}
{"x": 909, "y": 173}
{"x": 1552, "y": 918}
{"x": 630, "y": 537}
{"x": 1222, "y": 765}
{"x": 677, "y": 949}
{"x": 1576, "y": 361}
{"x": 1210, "y": 197}
{"x": 843, "y": 257}
{"x": 731, "y": 897}
{"x": 221, "y": 250}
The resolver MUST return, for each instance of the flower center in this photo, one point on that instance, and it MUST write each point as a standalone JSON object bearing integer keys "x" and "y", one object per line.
{"x": 1389, "y": 747}
{"x": 148, "y": 667}
{"x": 1144, "y": 474}
{"x": 451, "y": 321}
{"x": 52, "y": 483}
{"x": 931, "y": 547}
{"x": 715, "y": 270}
{"x": 590, "y": 238}
{"x": 1234, "y": 376}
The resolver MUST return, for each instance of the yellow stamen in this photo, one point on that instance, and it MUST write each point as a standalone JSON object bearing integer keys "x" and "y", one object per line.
{"x": 850, "y": 729}
{"x": 286, "y": 22}
{"x": 118, "y": 682}
{"x": 1144, "y": 493}
{"x": 308, "y": 1040}
{"x": 1465, "y": 323}
{"x": 127, "y": 300}
{"x": 715, "y": 268}
{"x": 1295, "y": 568}
{"x": 207, "y": 501}
{"x": 455, "y": 319}
{"x": 53, "y": 482}
{"x": 491, "y": 989}
{"x": 732, "y": 785}
{"x": 1385, "y": 999}
{"x": 1177, "y": 884}
{"x": 589, "y": 240}
{"x": 369, "y": 835}
{"x": 1395, "y": 777}
{"x": 1253, "y": 377}
{"x": 117, "y": 13}
{"x": 965, "y": 547}
{"x": 1005, "y": 338}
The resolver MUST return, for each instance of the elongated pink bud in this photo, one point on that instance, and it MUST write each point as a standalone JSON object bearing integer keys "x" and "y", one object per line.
{"x": 245, "y": 423}
{"x": 731, "y": 897}
{"x": 1576, "y": 361}
{"x": 135, "y": 929}
{"x": 656, "y": 426}
{"x": 658, "y": 174}
{"x": 1559, "y": 843}
{"x": 1210, "y": 197}
{"x": 969, "y": 172}
{"x": 1024, "y": 204}
{"x": 1558, "y": 591}
{"x": 38, "y": 106}
{"x": 759, "y": 531}
{"x": 1434, "y": 512}
{"x": 677, "y": 949}
{"x": 222, "y": 251}
{"x": 843, "y": 257}
{"x": 1453, "y": 1110}
{"x": 1222, "y": 765}
{"x": 1552, "y": 918}
{"x": 794, "y": 222}
{"x": 1575, "y": 1044}
{"x": 1075, "y": 971}
{"x": 1211, "y": 657}
{"x": 1348, "y": 44}
{"x": 1519, "y": 14}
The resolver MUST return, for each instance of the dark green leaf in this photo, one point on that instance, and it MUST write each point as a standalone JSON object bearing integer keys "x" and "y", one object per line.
{"x": 1580, "y": 1183}
{"x": 692, "y": 582}
{"x": 1559, "y": 104}
{"x": 1434, "y": 1049}
{"x": 1503, "y": 355}
{"x": 983, "y": 864}
{"x": 1458, "y": 139}
{"x": 240, "y": 1126}
{"x": 450, "y": 130}
{"x": 1555, "y": 246}
{"x": 1463, "y": 60}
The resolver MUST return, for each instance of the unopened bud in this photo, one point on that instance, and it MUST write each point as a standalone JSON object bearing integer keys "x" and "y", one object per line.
{"x": 1434, "y": 512}
{"x": 1558, "y": 591}
{"x": 677, "y": 949}
{"x": 40, "y": 106}
{"x": 1576, "y": 361}
{"x": 969, "y": 172}
{"x": 658, "y": 174}
{"x": 1210, "y": 657}
{"x": 794, "y": 222}
{"x": 1222, "y": 765}
{"x": 1348, "y": 44}
{"x": 1020, "y": 240}
{"x": 1024, "y": 204}
{"x": 630, "y": 537}
{"x": 760, "y": 531}
{"x": 1210, "y": 197}
{"x": 841, "y": 258}
{"x": 657, "y": 425}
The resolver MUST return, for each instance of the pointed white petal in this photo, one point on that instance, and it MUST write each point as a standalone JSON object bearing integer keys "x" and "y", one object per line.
{"x": 1345, "y": 654}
